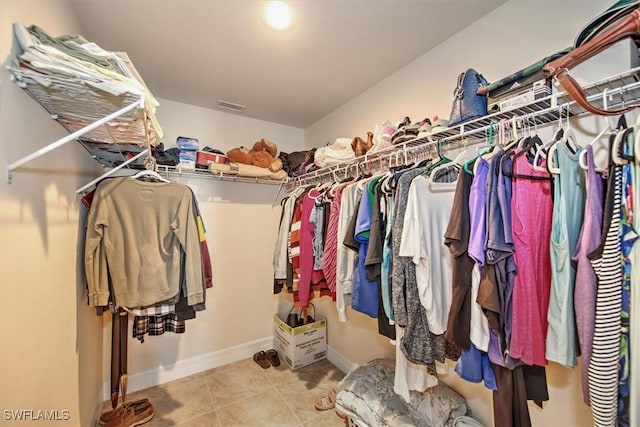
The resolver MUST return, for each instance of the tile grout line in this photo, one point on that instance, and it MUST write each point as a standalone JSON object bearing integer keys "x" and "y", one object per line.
{"x": 216, "y": 408}
{"x": 289, "y": 407}
{"x": 213, "y": 405}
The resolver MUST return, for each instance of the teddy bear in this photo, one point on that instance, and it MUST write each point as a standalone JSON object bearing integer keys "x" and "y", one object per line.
{"x": 262, "y": 154}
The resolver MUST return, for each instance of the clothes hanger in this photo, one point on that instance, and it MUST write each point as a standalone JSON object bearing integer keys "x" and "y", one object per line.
{"x": 509, "y": 147}
{"x": 150, "y": 165}
{"x": 442, "y": 159}
{"x": 456, "y": 164}
{"x": 627, "y": 146}
{"x": 531, "y": 143}
{"x": 507, "y": 134}
{"x": 617, "y": 149}
{"x": 616, "y": 146}
{"x": 542, "y": 151}
{"x": 566, "y": 137}
{"x": 321, "y": 189}
{"x": 527, "y": 145}
{"x": 481, "y": 149}
{"x": 582, "y": 158}
{"x": 488, "y": 153}
{"x": 149, "y": 171}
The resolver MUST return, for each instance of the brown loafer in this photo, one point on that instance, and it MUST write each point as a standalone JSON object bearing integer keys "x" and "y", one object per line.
{"x": 131, "y": 415}
{"x": 108, "y": 416}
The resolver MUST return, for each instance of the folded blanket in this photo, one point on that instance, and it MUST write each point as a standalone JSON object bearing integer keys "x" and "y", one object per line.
{"x": 245, "y": 170}
{"x": 339, "y": 151}
{"x": 368, "y": 392}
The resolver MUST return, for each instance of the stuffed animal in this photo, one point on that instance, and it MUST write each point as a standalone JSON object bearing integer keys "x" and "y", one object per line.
{"x": 360, "y": 146}
{"x": 263, "y": 154}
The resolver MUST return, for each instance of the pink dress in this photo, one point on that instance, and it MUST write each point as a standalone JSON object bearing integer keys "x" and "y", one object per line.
{"x": 531, "y": 213}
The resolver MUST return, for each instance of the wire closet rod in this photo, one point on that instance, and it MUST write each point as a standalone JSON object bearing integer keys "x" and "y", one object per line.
{"x": 112, "y": 171}
{"x": 408, "y": 148}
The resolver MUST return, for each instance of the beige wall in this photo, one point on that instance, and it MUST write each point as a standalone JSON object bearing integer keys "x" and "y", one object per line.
{"x": 241, "y": 231}
{"x": 512, "y": 36}
{"x": 50, "y": 342}
{"x": 509, "y": 38}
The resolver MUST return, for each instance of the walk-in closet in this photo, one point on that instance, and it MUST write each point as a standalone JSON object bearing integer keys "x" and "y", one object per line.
{"x": 319, "y": 213}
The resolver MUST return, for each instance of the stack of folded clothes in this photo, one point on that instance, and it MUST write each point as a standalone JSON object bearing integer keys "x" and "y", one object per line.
{"x": 70, "y": 75}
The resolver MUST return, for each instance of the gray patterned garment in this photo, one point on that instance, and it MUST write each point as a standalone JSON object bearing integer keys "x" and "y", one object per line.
{"x": 418, "y": 344}
{"x": 403, "y": 270}
{"x": 367, "y": 392}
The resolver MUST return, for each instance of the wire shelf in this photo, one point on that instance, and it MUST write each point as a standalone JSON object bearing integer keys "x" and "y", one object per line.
{"x": 619, "y": 90}
{"x": 177, "y": 171}
{"x": 75, "y": 103}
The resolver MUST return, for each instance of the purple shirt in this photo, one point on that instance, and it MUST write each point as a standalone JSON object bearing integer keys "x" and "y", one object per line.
{"x": 477, "y": 198}
{"x": 586, "y": 280}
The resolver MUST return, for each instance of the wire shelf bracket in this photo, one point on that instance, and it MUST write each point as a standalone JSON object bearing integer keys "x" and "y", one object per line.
{"x": 71, "y": 137}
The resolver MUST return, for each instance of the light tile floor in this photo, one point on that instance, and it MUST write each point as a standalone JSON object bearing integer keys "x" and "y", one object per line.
{"x": 244, "y": 394}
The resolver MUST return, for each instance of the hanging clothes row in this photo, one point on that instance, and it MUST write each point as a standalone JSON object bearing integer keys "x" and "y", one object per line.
{"x": 481, "y": 260}
{"x": 145, "y": 254}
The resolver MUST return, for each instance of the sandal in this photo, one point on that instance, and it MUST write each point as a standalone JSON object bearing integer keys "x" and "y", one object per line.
{"x": 324, "y": 403}
{"x": 272, "y": 355}
{"x": 261, "y": 359}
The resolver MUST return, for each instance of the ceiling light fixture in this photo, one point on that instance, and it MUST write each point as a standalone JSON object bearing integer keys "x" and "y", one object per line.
{"x": 278, "y": 15}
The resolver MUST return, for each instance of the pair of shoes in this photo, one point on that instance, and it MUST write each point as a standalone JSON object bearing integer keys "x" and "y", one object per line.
{"x": 408, "y": 131}
{"x": 108, "y": 417}
{"x": 129, "y": 414}
{"x": 326, "y": 402}
{"x": 424, "y": 128}
{"x": 266, "y": 359}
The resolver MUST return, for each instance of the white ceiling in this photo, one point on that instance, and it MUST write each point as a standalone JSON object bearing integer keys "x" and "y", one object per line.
{"x": 197, "y": 52}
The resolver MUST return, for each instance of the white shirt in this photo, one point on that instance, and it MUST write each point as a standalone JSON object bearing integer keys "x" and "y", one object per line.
{"x": 425, "y": 223}
{"x": 408, "y": 375}
{"x": 479, "y": 331}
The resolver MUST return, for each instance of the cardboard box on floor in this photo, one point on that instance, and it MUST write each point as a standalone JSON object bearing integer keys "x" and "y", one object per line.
{"x": 300, "y": 346}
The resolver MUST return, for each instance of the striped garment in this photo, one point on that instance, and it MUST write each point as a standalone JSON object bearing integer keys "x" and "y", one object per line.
{"x": 606, "y": 260}
{"x": 330, "y": 256}
{"x": 294, "y": 242}
{"x": 155, "y": 310}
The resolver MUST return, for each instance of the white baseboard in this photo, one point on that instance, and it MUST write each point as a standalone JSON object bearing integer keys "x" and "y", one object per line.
{"x": 193, "y": 365}
{"x": 338, "y": 359}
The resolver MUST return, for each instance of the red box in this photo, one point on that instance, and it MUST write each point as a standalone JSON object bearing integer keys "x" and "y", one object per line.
{"x": 203, "y": 158}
